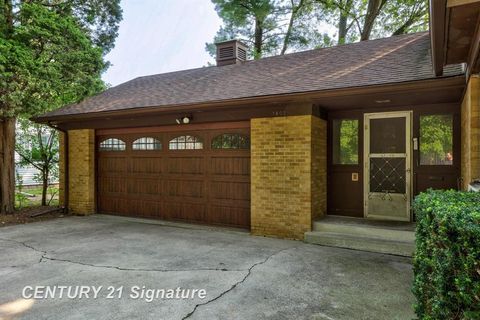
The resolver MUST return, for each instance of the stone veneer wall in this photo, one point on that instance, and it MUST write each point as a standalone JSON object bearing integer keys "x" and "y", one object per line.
{"x": 470, "y": 162}
{"x": 81, "y": 159}
{"x": 288, "y": 173}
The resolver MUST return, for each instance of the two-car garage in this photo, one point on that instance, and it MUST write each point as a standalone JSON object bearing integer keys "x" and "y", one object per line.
{"x": 201, "y": 175}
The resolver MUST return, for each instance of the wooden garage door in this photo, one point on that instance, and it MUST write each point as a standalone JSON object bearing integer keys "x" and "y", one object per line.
{"x": 201, "y": 176}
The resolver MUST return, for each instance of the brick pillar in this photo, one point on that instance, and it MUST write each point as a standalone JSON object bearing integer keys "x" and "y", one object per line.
{"x": 288, "y": 181}
{"x": 470, "y": 160}
{"x": 81, "y": 157}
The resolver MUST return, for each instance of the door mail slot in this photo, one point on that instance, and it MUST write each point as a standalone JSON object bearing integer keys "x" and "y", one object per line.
{"x": 436, "y": 178}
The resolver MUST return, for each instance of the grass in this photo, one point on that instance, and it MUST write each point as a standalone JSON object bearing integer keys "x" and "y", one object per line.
{"x": 22, "y": 200}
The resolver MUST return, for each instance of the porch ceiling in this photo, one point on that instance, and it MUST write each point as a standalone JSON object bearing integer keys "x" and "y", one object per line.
{"x": 428, "y": 94}
{"x": 454, "y": 25}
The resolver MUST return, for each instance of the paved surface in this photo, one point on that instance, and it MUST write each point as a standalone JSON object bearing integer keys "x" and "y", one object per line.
{"x": 245, "y": 277}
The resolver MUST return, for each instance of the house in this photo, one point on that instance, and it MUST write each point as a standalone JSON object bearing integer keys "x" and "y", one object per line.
{"x": 25, "y": 174}
{"x": 273, "y": 144}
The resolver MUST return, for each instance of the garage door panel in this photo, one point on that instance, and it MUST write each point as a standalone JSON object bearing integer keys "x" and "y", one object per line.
{"x": 185, "y": 211}
{"x": 145, "y": 186}
{"x": 146, "y": 165}
{"x": 115, "y": 205}
{"x": 145, "y": 208}
{"x": 108, "y": 185}
{"x": 230, "y": 166}
{"x": 110, "y": 164}
{"x": 227, "y": 215}
{"x": 226, "y": 190}
{"x": 186, "y": 188}
{"x": 186, "y": 165}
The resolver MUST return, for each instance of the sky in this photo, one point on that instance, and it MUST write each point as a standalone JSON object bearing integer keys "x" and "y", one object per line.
{"x": 158, "y": 36}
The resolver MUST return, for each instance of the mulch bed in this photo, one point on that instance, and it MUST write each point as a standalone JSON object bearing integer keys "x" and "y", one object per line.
{"x": 33, "y": 214}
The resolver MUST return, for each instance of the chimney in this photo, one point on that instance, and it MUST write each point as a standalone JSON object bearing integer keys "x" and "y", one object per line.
{"x": 231, "y": 52}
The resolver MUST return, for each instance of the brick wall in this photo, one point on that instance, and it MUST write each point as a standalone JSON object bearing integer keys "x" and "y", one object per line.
{"x": 81, "y": 157}
{"x": 319, "y": 167}
{"x": 288, "y": 160}
{"x": 470, "y": 162}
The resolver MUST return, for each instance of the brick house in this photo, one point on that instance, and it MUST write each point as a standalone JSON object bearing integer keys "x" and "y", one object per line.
{"x": 273, "y": 144}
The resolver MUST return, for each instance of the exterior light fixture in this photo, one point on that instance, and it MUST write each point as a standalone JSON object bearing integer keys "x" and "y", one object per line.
{"x": 184, "y": 120}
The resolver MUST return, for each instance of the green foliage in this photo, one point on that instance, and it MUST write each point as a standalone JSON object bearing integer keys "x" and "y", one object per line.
{"x": 98, "y": 19}
{"x": 447, "y": 255}
{"x": 349, "y": 142}
{"x": 436, "y": 139}
{"x": 38, "y": 146}
{"x": 47, "y": 61}
{"x": 272, "y": 27}
{"x": 345, "y": 141}
{"x": 269, "y": 27}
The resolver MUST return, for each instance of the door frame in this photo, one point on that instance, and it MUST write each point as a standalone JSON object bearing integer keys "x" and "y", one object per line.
{"x": 409, "y": 163}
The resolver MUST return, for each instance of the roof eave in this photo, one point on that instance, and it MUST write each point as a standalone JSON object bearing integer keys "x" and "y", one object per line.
{"x": 279, "y": 98}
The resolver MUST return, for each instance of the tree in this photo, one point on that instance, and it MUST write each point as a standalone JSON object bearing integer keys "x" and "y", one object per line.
{"x": 364, "y": 19}
{"x": 38, "y": 146}
{"x": 51, "y": 54}
{"x": 270, "y": 26}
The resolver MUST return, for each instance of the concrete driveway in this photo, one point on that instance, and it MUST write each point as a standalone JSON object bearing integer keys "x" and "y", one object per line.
{"x": 244, "y": 277}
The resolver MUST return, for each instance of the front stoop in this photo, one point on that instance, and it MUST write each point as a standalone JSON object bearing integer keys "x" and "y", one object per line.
{"x": 359, "y": 234}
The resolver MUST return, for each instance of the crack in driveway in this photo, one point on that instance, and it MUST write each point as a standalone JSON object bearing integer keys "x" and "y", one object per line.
{"x": 249, "y": 272}
{"x": 49, "y": 258}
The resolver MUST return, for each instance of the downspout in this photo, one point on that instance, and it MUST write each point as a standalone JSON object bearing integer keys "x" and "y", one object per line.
{"x": 65, "y": 166}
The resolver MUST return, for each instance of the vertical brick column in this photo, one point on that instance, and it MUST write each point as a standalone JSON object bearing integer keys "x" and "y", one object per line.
{"x": 81, "y": 158}
{"x": 470, "y": 135}
{"x": 288, "y": 178}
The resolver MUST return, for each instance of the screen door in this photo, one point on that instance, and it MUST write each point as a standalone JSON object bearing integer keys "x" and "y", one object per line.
{"x": 387, "y": 165}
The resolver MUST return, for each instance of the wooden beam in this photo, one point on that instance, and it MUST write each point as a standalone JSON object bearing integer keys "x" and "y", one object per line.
{"x": 456, "y": 3}
{"x": 473, "y": 62}
{"x": 438, "y": 15}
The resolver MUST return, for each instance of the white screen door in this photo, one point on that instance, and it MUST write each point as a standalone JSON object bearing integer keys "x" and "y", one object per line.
{"x": 387, "y": 165}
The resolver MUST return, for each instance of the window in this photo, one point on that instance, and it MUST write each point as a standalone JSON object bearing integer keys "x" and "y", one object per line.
{"x": 185, "y": 143}
{"x": 231, "y": 141}
{"x": 345, "y": 141}
{"x": 147, "y": 143}
{"x": 436, "y": 140}
{"x": 112, "y": 144}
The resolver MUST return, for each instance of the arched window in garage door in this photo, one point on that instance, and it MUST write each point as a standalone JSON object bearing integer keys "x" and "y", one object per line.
{"x": 185, "y": 142}
{"x": 147, "y": 143}
{"x": 231, "y": 141}
{"x": 112, "y": 144}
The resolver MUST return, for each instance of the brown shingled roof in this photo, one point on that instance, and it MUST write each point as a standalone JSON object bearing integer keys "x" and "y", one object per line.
{"x": 376, "y": 62}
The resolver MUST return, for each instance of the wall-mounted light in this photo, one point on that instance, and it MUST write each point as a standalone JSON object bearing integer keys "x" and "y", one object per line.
{"x": 184, "y": 120}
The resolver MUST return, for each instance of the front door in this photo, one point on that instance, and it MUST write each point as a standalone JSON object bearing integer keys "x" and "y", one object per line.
{"x": 387, "y": 163}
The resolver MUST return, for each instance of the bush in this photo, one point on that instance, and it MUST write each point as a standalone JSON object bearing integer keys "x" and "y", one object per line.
{"x": 447, "y": 255}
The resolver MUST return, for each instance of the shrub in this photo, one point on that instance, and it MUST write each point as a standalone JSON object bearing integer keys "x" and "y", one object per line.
{"x": 447, "y": 255}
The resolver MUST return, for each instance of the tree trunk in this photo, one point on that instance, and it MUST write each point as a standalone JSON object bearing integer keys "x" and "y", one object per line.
{"x": 345, "y": 11}
{"x": 7, "y": 165}
{"x": 258, "y": 43}
{"x": 293, "y": 16}
{"x": 44, "y": 187}
{"x": 373, "y": 10}
{"x": 342, "y": 27}
{"x": 286, "y": 41}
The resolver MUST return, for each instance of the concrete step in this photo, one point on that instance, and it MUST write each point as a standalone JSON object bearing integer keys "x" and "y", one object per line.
{"x": 372, "y": 231}
{"x": 361, "y": 242}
